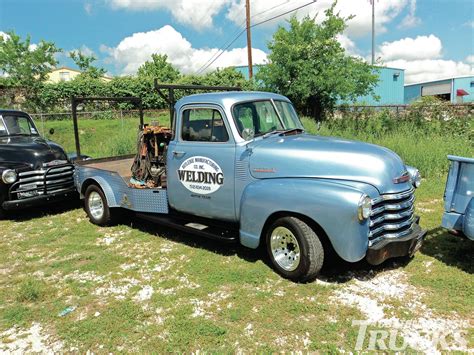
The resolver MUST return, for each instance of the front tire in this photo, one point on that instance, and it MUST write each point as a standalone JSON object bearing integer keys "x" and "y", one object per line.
{"x": 294, "y": 249}
{"x": 97, "y": 208}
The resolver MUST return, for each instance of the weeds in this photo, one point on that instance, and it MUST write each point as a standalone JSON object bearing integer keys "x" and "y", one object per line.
{"x": 30, "y": 290}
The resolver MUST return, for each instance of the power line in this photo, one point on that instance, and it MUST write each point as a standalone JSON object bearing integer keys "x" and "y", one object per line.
{"x": 251, "y": 26}
{"x": 269, "y": 9}
{"x": 219, "y": 53}
{"x": 283, "y": 14}
{"x": 227, "y": 44}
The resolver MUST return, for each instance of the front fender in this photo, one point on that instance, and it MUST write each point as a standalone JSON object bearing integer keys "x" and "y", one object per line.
{"x": 330, "y": 204}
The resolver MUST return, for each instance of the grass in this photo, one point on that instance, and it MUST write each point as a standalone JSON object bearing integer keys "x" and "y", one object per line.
{"x": 213, "y": 297}
{"x": 30, "y": 290}
{"x": 206, "y": 296}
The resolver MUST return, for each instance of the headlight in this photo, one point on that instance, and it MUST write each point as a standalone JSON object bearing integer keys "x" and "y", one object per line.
{"x": 415, "y": 176}
{"x": 416, "y": 179}
{"x": 365, "y": 207}
{"x": 9, "y": 176}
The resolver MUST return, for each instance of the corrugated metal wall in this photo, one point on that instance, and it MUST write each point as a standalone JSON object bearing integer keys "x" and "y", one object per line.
{"x": 389, "y": 88}
{"x": 413, "y": 92}
{"x": 466, "y": 84}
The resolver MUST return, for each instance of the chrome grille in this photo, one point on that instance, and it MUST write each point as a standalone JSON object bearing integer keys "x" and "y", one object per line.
{"x": 43, "y": 181}
{"x": 392, "y": 216}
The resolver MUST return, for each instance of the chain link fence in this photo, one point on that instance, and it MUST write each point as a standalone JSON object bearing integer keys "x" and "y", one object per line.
{"x": 442, "y": 110}
{"x": 44, "y": 119}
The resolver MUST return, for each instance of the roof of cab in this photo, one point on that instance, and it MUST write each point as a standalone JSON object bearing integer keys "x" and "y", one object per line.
{"x": 10, "y": 111}
{"x": 229, "y": 97}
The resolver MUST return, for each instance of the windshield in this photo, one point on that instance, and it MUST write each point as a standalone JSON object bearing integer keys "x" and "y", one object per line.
{"x": 265, "y": 116}
{"x": 16, "y": 125}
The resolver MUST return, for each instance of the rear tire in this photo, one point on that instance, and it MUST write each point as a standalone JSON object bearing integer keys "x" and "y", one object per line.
{"x": 294, "y": 249}
{"x": 96, "y": 207}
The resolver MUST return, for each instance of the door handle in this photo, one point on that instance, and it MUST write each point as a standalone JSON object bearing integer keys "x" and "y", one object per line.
{"x": 178, "y": 153}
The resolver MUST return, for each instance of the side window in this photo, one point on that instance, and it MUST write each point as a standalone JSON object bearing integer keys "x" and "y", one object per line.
{"x": 24, "y": 125}
{"x": 243, "y": 117}
{"x": 203, "y": 125}
{"x": 3, "y": 129}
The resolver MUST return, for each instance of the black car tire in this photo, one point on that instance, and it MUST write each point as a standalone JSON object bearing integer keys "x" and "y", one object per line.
{"x": 287, "y": 235}
{"x": 92, "y": 205}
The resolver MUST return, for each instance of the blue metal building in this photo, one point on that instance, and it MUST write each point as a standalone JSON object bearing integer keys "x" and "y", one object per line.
{"x": 389, "y": 88}
{"x": 457, "y": 90}
{"x": 244, "y": 69}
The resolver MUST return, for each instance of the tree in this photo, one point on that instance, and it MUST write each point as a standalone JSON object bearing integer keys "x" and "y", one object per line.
{"x": 84, "y": 62}
{"x": 25, "y": 65}
{"x": 160, "y": 69}
{"x": 309, "y": 65}
{"x": 227, "y": 77}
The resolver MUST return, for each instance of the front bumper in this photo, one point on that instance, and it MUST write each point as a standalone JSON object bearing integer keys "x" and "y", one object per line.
{"x": 39, "y": 200}
{"x": 392, "y": 248}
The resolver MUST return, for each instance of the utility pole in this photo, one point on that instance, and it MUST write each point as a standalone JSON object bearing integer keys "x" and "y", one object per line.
{"x": 249, "y": 38}
{"x": 373, "y": 31}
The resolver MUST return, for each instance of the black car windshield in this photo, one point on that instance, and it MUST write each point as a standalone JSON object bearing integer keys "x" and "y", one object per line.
{"x": 11, "y": 125}
{"x": 265, "y": 116}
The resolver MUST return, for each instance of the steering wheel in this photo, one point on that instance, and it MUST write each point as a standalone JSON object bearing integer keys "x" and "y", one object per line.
{"x": 23, "y": 130}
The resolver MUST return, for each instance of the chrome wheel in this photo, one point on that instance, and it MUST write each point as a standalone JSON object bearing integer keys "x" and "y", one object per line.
{"x": 285, "y": 248}
{"x": 96, "y": 205}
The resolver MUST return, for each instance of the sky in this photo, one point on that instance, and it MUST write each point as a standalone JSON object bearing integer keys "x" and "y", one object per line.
{"x": 430, "y": 39}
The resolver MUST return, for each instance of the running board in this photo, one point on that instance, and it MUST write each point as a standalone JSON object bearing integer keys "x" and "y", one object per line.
{"x": 196, "y": 226}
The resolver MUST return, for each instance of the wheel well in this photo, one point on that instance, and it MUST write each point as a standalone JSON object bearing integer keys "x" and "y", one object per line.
{"x": 88, "y": 183}
{"x": 309, "y": 221}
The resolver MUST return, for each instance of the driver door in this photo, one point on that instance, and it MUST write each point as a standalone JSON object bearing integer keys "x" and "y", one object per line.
{"x": 201, "y": 164}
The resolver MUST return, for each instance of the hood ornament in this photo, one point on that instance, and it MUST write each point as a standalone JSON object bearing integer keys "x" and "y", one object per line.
{"x": 402, "y": 178}
{"x": 54, "y": 163}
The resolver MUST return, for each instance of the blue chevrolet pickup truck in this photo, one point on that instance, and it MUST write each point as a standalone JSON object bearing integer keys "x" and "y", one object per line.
{"x": 238, "y": 166}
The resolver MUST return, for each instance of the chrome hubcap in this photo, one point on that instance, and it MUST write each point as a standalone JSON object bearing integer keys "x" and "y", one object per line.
{"x": 285, "y": 248}
{"x": 96, "y": 206}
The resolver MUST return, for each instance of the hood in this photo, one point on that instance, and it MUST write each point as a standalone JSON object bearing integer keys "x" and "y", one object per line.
{"x": 32, "y": 150}
{"x": 311, "y": 156}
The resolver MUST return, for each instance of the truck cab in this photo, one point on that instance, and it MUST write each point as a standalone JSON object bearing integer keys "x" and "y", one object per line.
{"x": 243, "y": 160}
{"x": 33, "y": 170}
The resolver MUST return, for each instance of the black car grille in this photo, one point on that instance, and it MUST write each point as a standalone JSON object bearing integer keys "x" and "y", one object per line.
{"x": 392, "y": 216}
{"x": 45, "y": 181}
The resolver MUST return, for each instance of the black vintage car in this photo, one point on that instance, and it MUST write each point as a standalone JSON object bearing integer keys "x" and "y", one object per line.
{"x": 33, "y": 170}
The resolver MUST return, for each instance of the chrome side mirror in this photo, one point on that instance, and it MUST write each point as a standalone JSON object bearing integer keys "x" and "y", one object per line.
{"x": 248, "y": 134}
